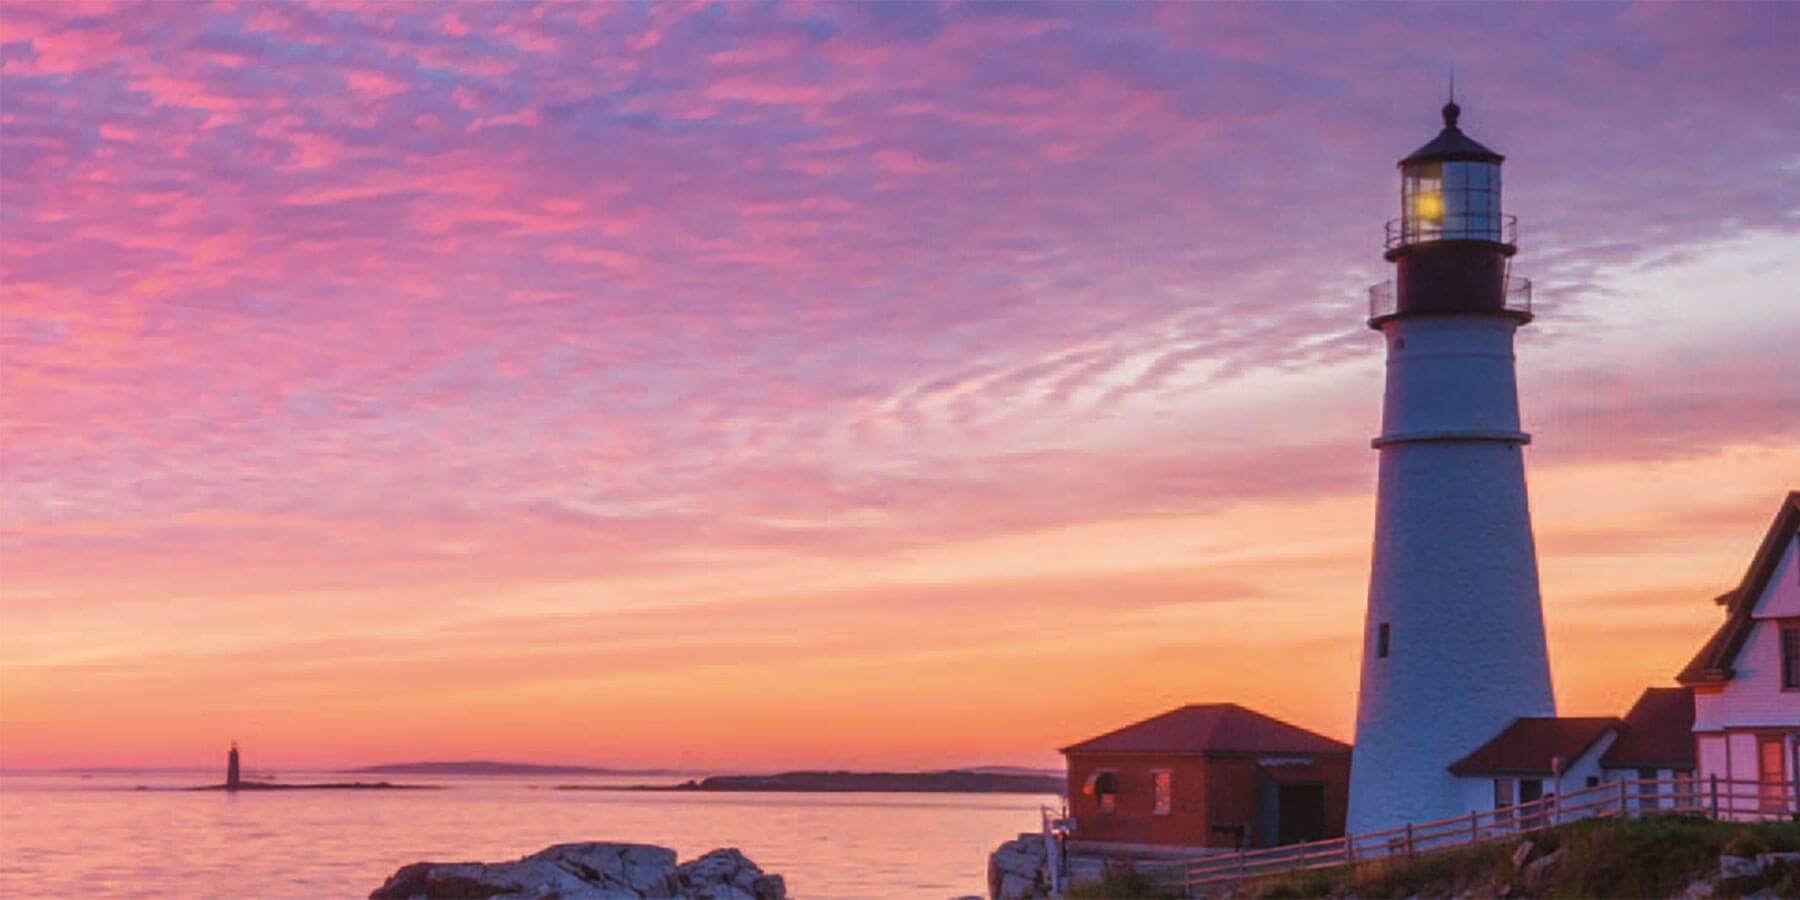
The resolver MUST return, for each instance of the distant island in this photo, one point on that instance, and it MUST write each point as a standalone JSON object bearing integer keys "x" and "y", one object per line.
{"x": 489, "y": 767}
{"x": 234, "y": 782}
{"x": 337, "y": 786}
{"x": 951, "y": 781}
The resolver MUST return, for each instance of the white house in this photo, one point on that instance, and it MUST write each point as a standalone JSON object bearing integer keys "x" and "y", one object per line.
{"x": 1536, "y": 756}
{"x": 1746, "y": 678}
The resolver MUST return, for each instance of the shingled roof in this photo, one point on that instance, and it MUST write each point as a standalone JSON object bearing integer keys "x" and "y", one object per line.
{"x": 1220, "y": 728}
{"x": 1715, "y": 661}
{"x": 1530, "y": 745}
{"x": 1659, "y": 732}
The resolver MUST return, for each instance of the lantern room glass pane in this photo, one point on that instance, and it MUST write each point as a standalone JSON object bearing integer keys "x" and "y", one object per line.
{"x": 1422, "y": 201}
{"x": 1451, "y": 200}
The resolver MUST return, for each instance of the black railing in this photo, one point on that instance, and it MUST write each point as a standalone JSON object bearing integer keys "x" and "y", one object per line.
{"x": 1405, "y": 232}
{"x": 1384, "y": 298}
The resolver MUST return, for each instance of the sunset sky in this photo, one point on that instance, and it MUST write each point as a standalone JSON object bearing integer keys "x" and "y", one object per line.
{"x": 752, "y": 386}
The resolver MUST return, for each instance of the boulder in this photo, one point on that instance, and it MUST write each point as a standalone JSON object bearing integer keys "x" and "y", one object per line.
{"x": 588, "y": 871}
{"x": 1738, "y": 867}
{"x": 727, "y": 875}
{"x": 1700, "y": 889}
{"x": 1767, "y": 861}
{"x": 1538, "y": 873}
{"x": 1019, "y": 868}
{"x": 1522, "y": 854}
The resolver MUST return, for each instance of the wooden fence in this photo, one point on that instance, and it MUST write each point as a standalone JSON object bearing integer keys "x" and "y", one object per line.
{"x": 1717, "y": 798}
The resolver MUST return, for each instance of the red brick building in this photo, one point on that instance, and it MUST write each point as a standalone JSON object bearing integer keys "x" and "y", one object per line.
{"x": 1208, "y": 775}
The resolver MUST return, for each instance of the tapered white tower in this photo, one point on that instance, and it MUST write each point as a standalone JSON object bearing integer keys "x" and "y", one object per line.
{"x": 1453, "y": 646}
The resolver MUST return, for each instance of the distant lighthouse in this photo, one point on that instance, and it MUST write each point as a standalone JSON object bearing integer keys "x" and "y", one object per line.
{"x": 1453, "y": 643}
{"x": 232, "y": 781}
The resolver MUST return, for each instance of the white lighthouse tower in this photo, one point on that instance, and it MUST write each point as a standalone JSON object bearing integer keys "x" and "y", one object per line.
{"x": 1453, "y": 646}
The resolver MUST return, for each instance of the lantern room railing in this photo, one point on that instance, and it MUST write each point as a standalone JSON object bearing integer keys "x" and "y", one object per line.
{"x": 1384, "y": 298}
{"x": 1407, "y": 231}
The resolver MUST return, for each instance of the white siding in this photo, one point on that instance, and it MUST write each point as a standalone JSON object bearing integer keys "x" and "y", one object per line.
{"x": 1782, "y": 597}
{"x": 1740, "y": 754}
{"x": 1711, "y": 759}
{"x": 1709, "y": 713}
{"x": 1754, "y": 697}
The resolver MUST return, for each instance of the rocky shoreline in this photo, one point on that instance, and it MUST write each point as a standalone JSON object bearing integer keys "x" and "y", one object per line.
{"x": 589, "y": 870}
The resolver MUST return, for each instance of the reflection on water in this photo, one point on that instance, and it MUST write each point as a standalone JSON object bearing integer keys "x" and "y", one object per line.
{"x": 66, "y": 835}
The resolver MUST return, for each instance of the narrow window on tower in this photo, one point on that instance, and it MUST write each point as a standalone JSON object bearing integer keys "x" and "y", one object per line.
{"x": 1381, "y": 641}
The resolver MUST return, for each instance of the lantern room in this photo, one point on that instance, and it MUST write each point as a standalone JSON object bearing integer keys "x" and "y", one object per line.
{"x": 1452, "y": 243}
{"x": 1449, "y": 191}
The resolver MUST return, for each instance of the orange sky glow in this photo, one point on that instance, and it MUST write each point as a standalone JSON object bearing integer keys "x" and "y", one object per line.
{"x": 873, "y": 386}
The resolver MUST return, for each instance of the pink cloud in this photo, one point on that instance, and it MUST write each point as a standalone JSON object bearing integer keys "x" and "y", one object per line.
{"x": 593, "y": 291}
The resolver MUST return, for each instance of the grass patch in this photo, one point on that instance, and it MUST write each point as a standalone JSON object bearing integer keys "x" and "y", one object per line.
{"x": 1658, "y": 856}
{"x": 1121, "y": 884}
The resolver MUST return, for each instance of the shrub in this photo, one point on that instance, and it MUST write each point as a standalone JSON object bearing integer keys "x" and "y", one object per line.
{"x": 1120, "y": 884}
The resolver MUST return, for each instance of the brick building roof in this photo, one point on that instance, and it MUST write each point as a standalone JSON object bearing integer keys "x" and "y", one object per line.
{"x": 1223, "y": 728}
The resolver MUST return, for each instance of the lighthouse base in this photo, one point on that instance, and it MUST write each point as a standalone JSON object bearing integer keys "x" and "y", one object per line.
{"x": 1454, "y": 641}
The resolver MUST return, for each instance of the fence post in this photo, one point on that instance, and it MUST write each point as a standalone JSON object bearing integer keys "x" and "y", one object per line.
{"x": 1623, "y": 813}
{"x": 1714, "y": 778}
{"x": 1409, "y": 841}
{"x": 1240, "y": 875}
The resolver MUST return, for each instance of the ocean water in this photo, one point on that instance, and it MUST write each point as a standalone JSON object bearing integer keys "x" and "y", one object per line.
{"x": 100, "y": 836}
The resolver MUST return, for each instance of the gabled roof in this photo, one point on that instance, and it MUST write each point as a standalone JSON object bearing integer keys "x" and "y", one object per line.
{"x": 1530, "y": 745}
{"x": 1659, "y": 732}
{"x": 1211, "y": 728}
{"x": 1717, "y": 656}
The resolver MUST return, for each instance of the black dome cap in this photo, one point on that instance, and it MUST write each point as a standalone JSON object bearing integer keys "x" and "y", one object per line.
{"x": 1451, "y": 144}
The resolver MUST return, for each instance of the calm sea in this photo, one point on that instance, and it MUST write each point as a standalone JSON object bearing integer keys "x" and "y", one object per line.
{"x": 98, "y": 836}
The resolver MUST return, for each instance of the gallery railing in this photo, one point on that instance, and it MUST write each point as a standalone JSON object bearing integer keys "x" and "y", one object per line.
{"x": 1515, "y": 296}
{"x": 1501, "y": 229}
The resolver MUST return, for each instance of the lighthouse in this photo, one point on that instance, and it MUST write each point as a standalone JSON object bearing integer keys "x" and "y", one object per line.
{"x": 1453, "y": 643}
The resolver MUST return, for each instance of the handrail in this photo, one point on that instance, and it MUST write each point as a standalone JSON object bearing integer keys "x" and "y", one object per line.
{"x": 1626, "y": 798}
{"x": 1405, "y": 232}
{"x": 1515, "y": 297}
